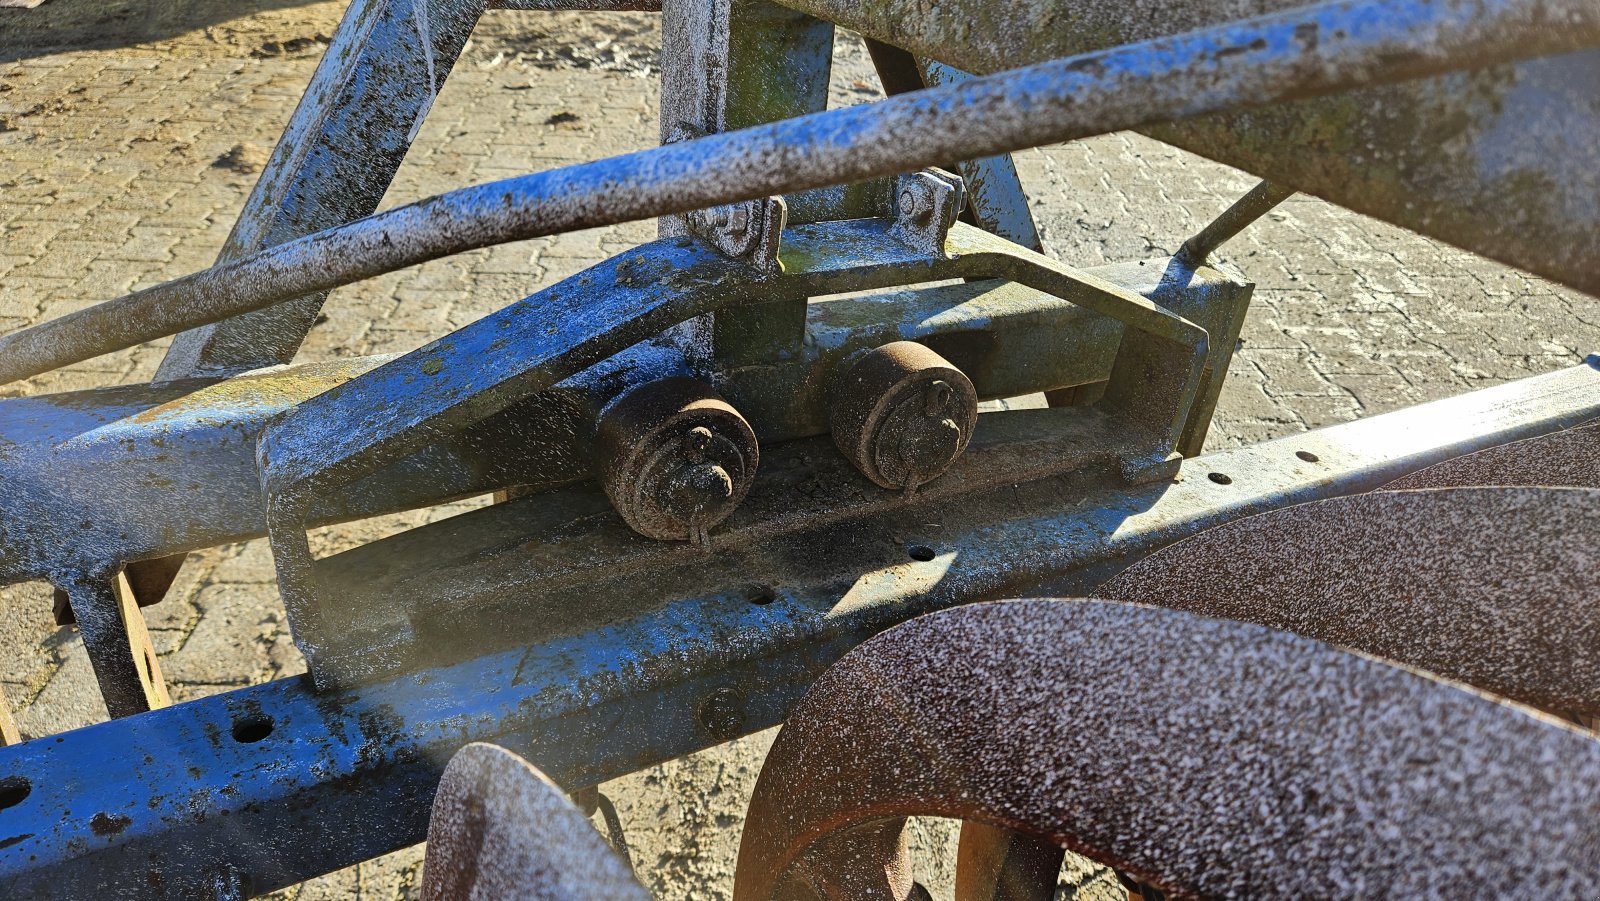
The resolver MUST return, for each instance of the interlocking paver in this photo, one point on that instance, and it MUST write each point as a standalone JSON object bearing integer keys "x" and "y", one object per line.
{"x": 118, "y": 169}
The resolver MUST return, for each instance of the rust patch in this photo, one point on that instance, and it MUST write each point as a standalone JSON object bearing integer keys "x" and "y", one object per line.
{"x": 109, "y": 824}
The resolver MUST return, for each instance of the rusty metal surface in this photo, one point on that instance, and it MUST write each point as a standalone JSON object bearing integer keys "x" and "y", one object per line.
{"x": 871, "y": 862}
{"x": 1501, "y": 161}
{"x": 675, "y": 459}
{"x": 1495, "y": 587}
{"x": 902, "y": 414}
{"x": 1254, "y": 62}
{"x": 502, "y": 831}
{"x": 1570, "y": 458}
{"x": 1210, "y": 758}
{"x": 997, "y": 864}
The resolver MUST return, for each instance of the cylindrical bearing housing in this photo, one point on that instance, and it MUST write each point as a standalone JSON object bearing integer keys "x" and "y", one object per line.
{"x": 675, "y": 458}
{"x": 902, "y": 414}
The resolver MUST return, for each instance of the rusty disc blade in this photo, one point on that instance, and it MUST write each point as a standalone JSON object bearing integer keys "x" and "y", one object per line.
{"x": 1495, "y": 587}
{"x": 1208, "y": 757}
{"x": 501, "y": 831}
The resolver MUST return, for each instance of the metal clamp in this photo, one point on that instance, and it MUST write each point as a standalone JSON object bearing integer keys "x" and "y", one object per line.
{"x": 926, "y": 205}
{"x": 748, "y": 231}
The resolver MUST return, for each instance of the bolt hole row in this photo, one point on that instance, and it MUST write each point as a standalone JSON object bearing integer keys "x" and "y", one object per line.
{"x": 247, "y": 730}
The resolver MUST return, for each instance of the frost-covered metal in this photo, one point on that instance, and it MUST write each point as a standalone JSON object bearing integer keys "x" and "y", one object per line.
{"x": 729, "y": 455}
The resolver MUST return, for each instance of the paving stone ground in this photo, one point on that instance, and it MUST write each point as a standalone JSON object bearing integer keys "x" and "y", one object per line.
{"x": 130, "y": 134}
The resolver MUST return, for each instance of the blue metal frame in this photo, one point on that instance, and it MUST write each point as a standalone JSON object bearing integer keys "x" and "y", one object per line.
{"x": 403, "y": 406}
{"x": 248, "y": 791}
{"x": 375, "y": 84}
{"x": 273, "y": 784}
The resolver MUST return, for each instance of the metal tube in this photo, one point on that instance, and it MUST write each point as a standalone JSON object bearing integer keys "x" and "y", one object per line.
{"x": 1269, "y": 59}
{"x": 1234, "y": 220}
{"x": 1503, "y": 161}
{"x": 649, "y": 6}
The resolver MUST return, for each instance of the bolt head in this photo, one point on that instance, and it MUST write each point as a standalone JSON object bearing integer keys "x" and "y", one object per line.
{"x": 738, "y": 220}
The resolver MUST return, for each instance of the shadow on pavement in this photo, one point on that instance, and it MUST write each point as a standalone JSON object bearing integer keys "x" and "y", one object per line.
{"x": 60, "y": 25}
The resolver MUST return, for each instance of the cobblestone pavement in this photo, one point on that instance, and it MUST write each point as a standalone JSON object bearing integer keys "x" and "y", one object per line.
{"x": 130, "y": 134}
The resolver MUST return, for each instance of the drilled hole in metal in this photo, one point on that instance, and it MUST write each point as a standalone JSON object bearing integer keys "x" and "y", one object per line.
{"x": 1307, "y": 456}
{"x": 252, "y": 729}
{"x": 1220, "y": 479}
{"x": 920, "y": 553}
{"x": 13, "y": 791}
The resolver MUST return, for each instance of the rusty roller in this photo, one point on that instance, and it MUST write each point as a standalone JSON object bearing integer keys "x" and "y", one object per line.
{"x": 1207, "y": 757}
{"x": 675, "y": 459}
{"x": 1495, "y": 587}
{"x": 1464, "y": 583}
{"x": 902, "y": 414}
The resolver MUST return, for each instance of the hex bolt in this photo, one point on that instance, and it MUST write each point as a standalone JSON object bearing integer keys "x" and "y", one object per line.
{"x": 902, "y": 414}
{"x": 675, "y": 459}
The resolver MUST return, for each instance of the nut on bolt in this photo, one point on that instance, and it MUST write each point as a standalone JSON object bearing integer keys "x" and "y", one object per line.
{"x": 902, "y": 414}
{"x": 675, "y": 459}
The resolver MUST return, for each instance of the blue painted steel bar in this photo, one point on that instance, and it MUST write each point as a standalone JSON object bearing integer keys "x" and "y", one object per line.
{"x": 375, "y": 84}
{"x": 1257, "y": 61}
{"x": 993, "y": 187}
{"x": 273, "y": 784}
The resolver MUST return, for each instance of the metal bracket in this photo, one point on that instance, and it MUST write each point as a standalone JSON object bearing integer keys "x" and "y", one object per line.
{"x": 747, "y": 231}
{"x": 926, "y": 205}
